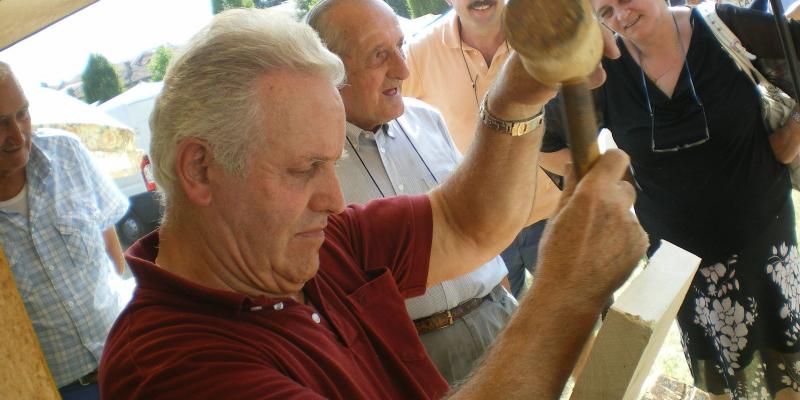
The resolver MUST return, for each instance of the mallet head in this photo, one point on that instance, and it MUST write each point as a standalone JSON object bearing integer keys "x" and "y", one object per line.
{"x": 558, "y": 40}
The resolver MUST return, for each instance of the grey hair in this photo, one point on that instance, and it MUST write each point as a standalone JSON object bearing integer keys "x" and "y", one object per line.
{"x": 330, "y": 34}
{"x": 5, "y": 70}
{"x": 211, "y": 89}
{"x": 329, "y": 31}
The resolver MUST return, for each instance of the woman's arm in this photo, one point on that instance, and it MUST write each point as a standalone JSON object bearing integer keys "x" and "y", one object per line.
{"x": 785, "y": 141}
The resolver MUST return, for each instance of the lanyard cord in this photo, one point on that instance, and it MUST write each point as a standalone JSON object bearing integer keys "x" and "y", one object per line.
{"x": 399, "y": 125}
{"x": 374, "y": 182}
{"x": 474, "y": 81}
{"x": 372, "y": 177}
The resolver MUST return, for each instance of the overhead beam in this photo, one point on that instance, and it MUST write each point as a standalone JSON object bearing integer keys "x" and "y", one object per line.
{"x": 22, "y": 18}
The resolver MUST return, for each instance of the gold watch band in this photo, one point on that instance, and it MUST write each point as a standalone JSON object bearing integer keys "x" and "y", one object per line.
{"x": 514, "y": 128}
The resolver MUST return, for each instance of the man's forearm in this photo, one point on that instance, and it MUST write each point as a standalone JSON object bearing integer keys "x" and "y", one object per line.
{"x": 589, "y": 248}
{"x": 479, "y": 210}
{"x": 542, "y": 341}
{"x": 114, "y": 249}
{"x": 504, "y": 165}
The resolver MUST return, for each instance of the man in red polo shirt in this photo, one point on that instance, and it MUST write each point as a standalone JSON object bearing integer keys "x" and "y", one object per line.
{"x": 261, "y": 284}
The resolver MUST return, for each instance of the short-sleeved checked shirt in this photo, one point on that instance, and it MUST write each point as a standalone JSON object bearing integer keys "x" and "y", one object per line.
{"x": 58, "y": 257}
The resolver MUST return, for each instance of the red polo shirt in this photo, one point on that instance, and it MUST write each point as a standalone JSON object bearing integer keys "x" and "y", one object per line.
{"x": 179, "y": 340}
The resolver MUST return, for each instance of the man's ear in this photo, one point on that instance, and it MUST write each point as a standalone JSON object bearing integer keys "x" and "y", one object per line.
{"x": 192, "y": 162}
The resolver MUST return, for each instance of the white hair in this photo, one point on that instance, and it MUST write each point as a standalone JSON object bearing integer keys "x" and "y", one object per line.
{"x": 211, "y": 90}
{"x": 5, "y": 70}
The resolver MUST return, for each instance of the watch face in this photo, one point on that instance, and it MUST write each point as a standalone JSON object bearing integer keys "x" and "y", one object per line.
{"x": 521, "y": 128}
{"x": 513, "y": 128}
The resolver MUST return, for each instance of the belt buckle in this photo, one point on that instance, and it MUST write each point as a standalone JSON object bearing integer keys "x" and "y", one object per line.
{"x": 449, "y": 318}
{"x": 88, "y": 379}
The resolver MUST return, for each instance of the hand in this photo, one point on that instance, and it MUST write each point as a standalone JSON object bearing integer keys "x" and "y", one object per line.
{"x": 515, "y": 94}
{"x": 593, "y": 241}
{"x": 785, "y": 141}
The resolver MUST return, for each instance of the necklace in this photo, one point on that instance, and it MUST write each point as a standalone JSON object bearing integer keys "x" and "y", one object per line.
{"x": 473, "y": 81}
{"x": 673, "y": 64}
{"x": 658, "y": 78}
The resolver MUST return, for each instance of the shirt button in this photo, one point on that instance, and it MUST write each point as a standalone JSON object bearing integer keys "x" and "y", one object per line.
{"x": 71, "y": 303}
{"x": 277, "y": 306}
{"x": 316, "y": 317}
{"x": 383, "y": 150}
{"x": 401, "y": 187}
{"x": 51, "y": 268}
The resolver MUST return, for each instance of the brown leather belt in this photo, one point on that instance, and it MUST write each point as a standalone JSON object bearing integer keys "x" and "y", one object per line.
{"x": 446, "y": 318}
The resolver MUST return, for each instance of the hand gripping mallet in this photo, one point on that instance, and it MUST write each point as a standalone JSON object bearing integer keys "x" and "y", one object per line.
{"x": 559, "y": 41}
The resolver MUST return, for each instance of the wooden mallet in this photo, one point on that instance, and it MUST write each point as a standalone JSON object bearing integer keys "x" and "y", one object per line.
{"x": 559, "y": 41}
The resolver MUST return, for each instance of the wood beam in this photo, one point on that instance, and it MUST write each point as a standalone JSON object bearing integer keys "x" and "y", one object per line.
{"x": 23, "y": 369}
{"x": 635, "y": 327}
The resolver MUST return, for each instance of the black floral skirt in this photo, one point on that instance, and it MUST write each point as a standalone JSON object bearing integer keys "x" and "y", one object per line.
{"x": 740, "y": 321}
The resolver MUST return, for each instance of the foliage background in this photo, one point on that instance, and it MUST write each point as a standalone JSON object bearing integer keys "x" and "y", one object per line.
{"x": 159, "y": 62}
{"x": 100, "y": 80}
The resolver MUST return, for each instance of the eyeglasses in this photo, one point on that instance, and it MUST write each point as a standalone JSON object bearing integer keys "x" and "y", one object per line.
{"x": 673, "y": 143}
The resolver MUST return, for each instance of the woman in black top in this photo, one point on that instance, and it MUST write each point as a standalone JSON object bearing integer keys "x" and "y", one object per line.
{"x": 711, "y": 184}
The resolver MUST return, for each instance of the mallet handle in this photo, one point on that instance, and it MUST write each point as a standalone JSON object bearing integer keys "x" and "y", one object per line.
{"x": 581, "y": 124}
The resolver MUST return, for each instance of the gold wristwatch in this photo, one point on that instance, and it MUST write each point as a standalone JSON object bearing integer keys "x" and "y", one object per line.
{"x": 514, "y": 128}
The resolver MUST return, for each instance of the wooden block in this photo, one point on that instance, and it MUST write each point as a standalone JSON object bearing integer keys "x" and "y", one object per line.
{"x": 635, "y": 327}
{"x": 23, "y": 370}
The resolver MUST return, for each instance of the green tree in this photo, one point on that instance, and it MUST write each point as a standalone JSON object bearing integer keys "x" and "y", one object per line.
{"x": 100, "y": 79}
{"x": 420, "y": 8}
{"x": 400, "y": 7}
{"x": 159, "y": 62}
{"x": 303, "y": 6}
{"x": 218, "y": 6}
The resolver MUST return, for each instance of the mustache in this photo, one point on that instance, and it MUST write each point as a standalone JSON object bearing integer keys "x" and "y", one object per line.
{"x": 481, "y": 3}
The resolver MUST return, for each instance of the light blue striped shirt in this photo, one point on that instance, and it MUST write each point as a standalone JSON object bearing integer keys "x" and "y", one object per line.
{"x": 411, "y": 155}
{"x": 57, "y": 254}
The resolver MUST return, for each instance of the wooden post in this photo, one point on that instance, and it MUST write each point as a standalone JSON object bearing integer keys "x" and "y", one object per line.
{"x": 635, "y": 327}
{"x": 23, "y": 370}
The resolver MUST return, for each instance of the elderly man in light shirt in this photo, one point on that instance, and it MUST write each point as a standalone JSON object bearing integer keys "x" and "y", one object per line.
{"x": 398, "y": 146}
{"x": 57, "y": 215}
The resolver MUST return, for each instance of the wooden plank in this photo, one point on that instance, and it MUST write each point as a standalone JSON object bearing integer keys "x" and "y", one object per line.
{"x": 635, "y": 327}
{"x": 22, "y": 18}
{"x": 23, "y": 370}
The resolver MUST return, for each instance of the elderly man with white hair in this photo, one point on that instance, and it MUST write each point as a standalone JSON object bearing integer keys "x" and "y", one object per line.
{"x": 261, "y": 283}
